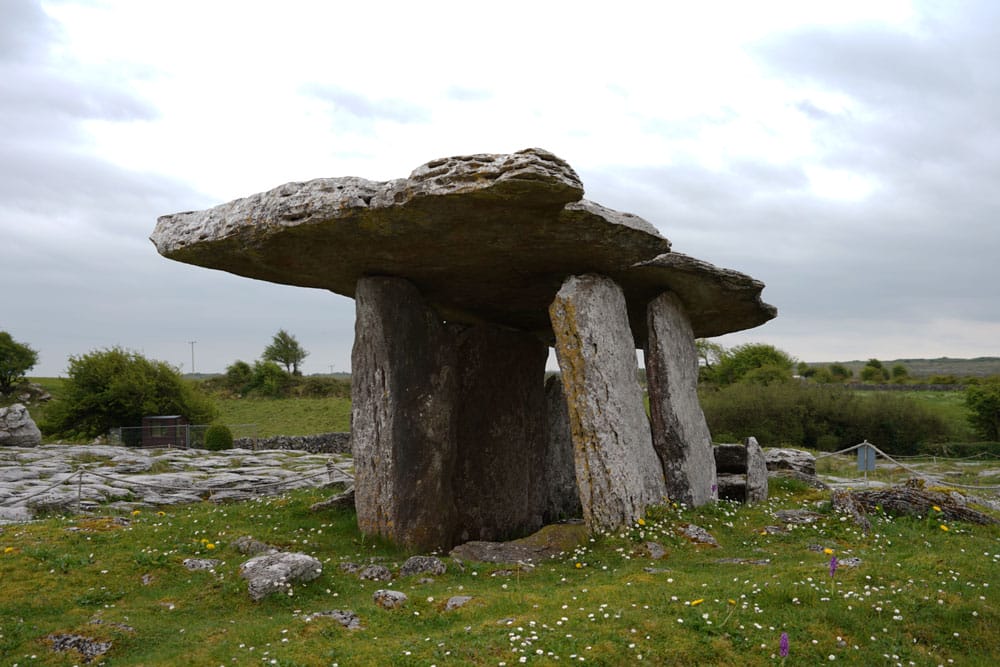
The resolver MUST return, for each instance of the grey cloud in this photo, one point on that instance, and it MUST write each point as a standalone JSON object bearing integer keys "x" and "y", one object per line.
{"x": 24, "y": 31}
{"x": 353, "y": 104}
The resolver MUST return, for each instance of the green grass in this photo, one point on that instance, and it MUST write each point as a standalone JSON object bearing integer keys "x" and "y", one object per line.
{"x": 287, "y": 416}
{"x": 921, "y": 594}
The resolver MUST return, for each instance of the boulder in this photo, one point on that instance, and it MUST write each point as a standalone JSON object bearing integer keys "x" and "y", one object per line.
{"x": 790, "y": 459}
{"x": 488, "y": 238}
{"x": 617, "y": 470}
{"x": 742, "y": 471}
{"x": 680, "y": 433}
{"x": 17, "y": 428}
{"x": 549, "y": 542}
{"x": 276, "y": 572}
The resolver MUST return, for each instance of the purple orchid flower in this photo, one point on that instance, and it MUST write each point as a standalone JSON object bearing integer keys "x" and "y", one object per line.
{"x": 783, "y": 645}
{"x": 833, "y": 565}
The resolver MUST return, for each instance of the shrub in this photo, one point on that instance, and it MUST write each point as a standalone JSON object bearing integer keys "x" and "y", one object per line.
{"x": 116, "y": 387}
{"x": 983, "y": 402}
{"x": 218, "y": 437}
{"x": 821, "y": 417}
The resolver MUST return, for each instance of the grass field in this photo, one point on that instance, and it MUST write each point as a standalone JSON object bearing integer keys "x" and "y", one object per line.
{"x": 920, "y": 595}
{"x": 287, "y": 416}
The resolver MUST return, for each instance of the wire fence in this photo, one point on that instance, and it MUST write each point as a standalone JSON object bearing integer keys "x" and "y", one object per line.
{"x": 179, "y": 436}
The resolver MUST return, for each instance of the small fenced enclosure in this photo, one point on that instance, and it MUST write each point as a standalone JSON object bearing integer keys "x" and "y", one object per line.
{"x": 165, "y": 433}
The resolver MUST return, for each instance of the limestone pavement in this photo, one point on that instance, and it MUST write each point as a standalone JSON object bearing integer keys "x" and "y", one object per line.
{"x": 56, "y": 478}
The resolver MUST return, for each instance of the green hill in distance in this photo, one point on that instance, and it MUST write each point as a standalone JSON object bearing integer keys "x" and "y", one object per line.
{"x": 922, "y": 368}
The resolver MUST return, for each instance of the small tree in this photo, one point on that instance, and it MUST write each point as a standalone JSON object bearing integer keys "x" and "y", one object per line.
{"x": 116, "y": 387}
{"x": 983, "y": 402}
{"x": 285, "y": 350}
{"x": 737, "y": 362}
{"x": 874, "y": 371}
{"x": 840, "y": 372}
{"x": 16, "y": 359}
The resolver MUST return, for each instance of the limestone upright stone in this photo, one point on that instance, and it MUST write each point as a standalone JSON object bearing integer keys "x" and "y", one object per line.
{"x": 449, "y": 423}
{"x": 562, "y": 495}
{"x": 499, "y": 483}
{"x": 680, "y": 434}
{"x": 402, "y": 415}
{"x": 617, "y": 471}
{"x": 17, "y": 428}
{"x": 756, "y": 471}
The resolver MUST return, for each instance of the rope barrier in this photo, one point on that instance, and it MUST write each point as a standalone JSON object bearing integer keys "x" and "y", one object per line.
{"x": 918, "y": 473}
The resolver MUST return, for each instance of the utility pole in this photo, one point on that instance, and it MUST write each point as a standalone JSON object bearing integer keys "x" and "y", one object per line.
{"x": 191, "y": 343}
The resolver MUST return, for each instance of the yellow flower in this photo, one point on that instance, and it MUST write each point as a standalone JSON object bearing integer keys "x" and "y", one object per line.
{"x": 161, "y": 514}
{"x": 579, "y": 565}
{"x": 695, "y": 603}
{"x": 8, "y": 550}
{"x": 828, "y": 551}
{"x": 136, "y": 512}
{"x": 936, "y": 508}
{"x": 209, "y": 546}
{"x": 944, "y": 528}
{"x": 641, "y": 522}
{"x": 732, "y": 601}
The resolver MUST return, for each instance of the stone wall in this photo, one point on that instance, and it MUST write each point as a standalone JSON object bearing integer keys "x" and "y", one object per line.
{"x": 323, "y": 443}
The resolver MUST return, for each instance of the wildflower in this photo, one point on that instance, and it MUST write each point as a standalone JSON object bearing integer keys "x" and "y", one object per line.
{"x": 828, "y": 551}
{"x": 161, "y": 514}
{"x": 579, "y": 565}
{"x": 783, "y": 645}
{"x": 695, "y": 603}
{"x": 944, "y": 528}
{"x": 209, "y": 545}
{"x": 641, "y": 522}
{"x": 136, "y": 512}
{"x": 936, "y": 508}
{"x": 833, "y": 566}
{"x": 8, "y": 550}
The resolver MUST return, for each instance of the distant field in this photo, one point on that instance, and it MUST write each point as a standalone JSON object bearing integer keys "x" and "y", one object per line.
{"x": 950, "y": 405}
{"x": 287, "y": 416}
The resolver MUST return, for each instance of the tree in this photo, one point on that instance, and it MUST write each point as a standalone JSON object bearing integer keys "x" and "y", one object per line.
{"x": 899, "y": 374}
{"x": 285, "y": 350}
{"x": 874, "y": 371}
{"x": 16, "y": 359}
{"x": 737, "y": 362}
{"x": 983, "y": 402}
{"x": 116, "y": 387}
{"x": 840, "y": 372}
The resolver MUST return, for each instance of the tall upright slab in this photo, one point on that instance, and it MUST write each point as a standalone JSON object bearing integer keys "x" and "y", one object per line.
{"x": 499, "y": 482}
{"x": 562, "y": 495}
{"x": 402, "y": 415}
{"x": 617, "y": 470}
{"x": 680, "y": 434}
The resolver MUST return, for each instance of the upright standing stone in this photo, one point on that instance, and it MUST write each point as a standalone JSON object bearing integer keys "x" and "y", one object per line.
{"x": 402, "y": 415}
{"x": 680, "y": 433}
{"x": 499, "y": 481}
{"x": 756, "y": 472}
{"x": 562, "y": 499}
{"x": 617, "y": 471}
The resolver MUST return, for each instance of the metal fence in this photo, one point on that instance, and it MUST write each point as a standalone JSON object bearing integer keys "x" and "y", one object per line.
{"x": 180, "y": 436}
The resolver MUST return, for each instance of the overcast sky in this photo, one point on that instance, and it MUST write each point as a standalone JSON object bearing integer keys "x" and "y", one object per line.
{"x": 846, "y": 154}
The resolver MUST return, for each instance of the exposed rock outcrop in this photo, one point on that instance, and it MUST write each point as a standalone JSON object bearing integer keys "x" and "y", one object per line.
{"x": 17, "y": 428}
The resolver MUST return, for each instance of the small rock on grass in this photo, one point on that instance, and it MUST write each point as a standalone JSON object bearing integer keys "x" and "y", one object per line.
{"x": 345, "y": 617}
{"x": 201, "y": 563}
{"x": 85, "y": 646}
{"x": 698, "y": 535}
{"x": 276, "y": 572}
{"x": 457, "y": 601}
{"x": 375, "y": 573}
{"x": 422, "y": 565}
{"x": 389, "y": 599}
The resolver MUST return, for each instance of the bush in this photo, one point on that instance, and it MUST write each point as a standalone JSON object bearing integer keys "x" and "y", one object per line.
{"x": 983, "y": 402}
{"x": 115, "y": 387}
{"x": 821, "y": 417}
{"x": 218, "y": 437}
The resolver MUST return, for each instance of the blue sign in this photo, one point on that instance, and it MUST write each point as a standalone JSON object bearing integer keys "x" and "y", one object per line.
{"x": 866, "y": 457}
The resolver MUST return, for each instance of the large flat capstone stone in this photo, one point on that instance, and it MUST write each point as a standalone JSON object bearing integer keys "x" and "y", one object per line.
{"x": 483, "y": 237}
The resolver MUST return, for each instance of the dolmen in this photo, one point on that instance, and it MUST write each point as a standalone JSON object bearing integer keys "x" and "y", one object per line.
{"x": 464, "y": 275}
